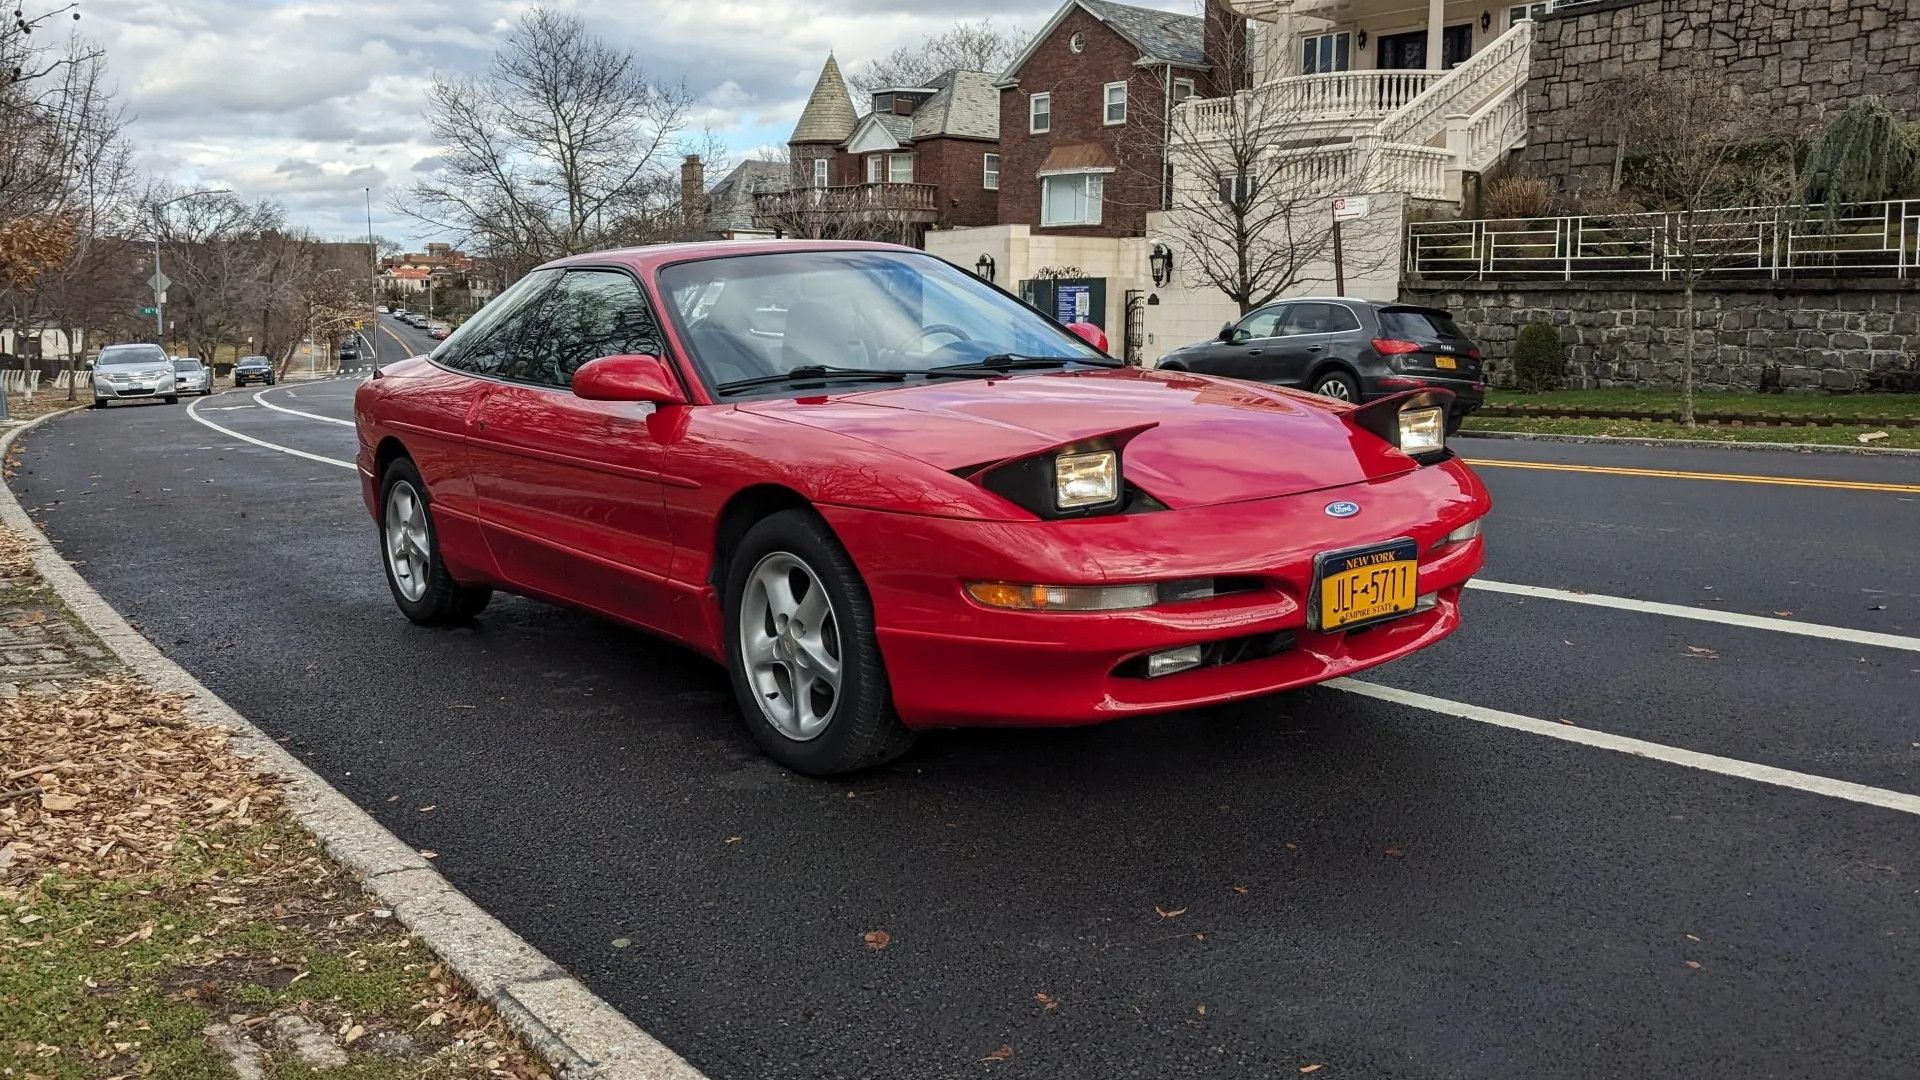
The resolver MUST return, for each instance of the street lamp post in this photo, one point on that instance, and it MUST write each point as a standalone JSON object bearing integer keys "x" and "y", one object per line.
{"x": 159, "y": 293}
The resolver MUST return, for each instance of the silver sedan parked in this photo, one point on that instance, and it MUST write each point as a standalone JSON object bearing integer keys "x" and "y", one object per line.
{"x": 133, "y": 371}
{"x": 190, "y": 376}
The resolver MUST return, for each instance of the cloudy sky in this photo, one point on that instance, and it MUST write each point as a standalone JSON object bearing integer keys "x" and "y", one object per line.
{"x": 311, "y": 101}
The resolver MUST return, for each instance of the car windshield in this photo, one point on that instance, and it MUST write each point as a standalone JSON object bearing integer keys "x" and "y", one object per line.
{"x": 188, "y": 366}
{"x": 1419, "y": 324}
{"x": 252, "y": 361}
{"x": 760, "y": 316}
{"x": 129, "y": 355}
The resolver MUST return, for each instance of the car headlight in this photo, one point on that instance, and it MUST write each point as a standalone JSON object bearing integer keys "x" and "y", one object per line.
{"x": 1423, "y": 431}
{"x": 1083, "y": 480}
{"x": 1469, "y": 531}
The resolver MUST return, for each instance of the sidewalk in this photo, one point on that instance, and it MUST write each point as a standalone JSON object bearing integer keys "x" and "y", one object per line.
{"x": 161, "y": 914}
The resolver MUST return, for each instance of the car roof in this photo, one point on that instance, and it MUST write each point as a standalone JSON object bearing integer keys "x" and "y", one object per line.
{"x": 654, "y": 256}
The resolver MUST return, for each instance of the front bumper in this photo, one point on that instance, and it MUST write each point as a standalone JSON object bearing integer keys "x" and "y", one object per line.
{"x": 955, "y": 663}
{"x": 110, "y": 392}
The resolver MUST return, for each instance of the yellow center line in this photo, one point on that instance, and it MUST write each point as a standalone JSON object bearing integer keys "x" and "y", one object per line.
{"x": 1673, "y": 474}
{"x": 404, "y": 347}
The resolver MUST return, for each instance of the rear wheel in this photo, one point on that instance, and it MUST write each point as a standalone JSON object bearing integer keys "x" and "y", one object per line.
{"x": 173, "y": 399}
{"x": 1337, "y": 385}
{"x": 802, "y": 652}
{"x": 421, "y": 586}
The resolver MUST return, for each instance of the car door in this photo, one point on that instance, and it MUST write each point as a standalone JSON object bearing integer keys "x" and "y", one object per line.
{"x": 1298, "y": 345}
{"x": 1240, "y": 355}
{"x": 571, "y": 490}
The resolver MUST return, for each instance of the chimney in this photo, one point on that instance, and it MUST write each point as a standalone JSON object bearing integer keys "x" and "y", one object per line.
{"x": 693, "y": 193}
{"x": 1225, "y": 42}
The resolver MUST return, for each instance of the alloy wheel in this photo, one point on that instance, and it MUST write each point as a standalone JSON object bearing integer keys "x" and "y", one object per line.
{"x": 1334, "y": 388}
{"x": 406, "y": 536}
{"x": 790, "y": 646}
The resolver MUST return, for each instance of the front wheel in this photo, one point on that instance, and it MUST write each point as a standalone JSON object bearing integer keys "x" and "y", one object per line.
{"x": 1337, "y": 385}
{"x": 421, "y": 586}
{"x": 173, "y": 399}
{"x": 802, "y": 653}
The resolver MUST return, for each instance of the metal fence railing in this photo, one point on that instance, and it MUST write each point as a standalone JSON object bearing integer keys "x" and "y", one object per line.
{"x": 1870, "y": 239}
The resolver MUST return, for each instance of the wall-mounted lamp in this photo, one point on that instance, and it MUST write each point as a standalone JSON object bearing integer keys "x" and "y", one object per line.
{"x": 1161, "y": 263}
{"x": 1362, "y": 39}
{"x": 984, "y": 267}
{"x": 1486, "y": 21}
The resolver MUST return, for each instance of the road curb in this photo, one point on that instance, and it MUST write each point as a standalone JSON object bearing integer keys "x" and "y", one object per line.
{"x": 562, "y": 1021}
{"x": 1630, "y": 440}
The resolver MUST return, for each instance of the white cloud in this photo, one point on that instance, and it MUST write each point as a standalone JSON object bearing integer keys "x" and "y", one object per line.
{"x": 312, "y": 101}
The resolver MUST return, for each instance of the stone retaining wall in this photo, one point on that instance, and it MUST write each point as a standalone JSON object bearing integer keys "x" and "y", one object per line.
{"x": 1838, "y": 336}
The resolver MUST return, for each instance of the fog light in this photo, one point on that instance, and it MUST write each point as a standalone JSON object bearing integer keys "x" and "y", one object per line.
{"x": 1426, "y": 603}
{"x": 1171, "y": 661}
{"x": 1469, "y": 531}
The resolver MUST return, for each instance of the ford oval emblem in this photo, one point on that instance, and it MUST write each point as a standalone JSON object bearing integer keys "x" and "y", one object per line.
{"x": 1342, "y": 509}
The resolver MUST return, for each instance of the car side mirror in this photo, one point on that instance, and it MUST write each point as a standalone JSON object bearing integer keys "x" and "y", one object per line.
{"x": 1090, "y": 334}
{"x": 1227, "y": 332}
{"x": 628, "y": 378}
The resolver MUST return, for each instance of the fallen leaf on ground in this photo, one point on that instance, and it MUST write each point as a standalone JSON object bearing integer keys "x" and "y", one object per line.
{"x": 1702, "y": 652}
{"x": 1690, "y": 937}
{"x": 1005, "y": 1053}
{"x": 1046, "y": 1000}
{"x": 1395, "y": 852}
{"x": 1242, "y": 889}
{"x": 1165, "y": 914}
{"x": 621, "y": 943}
{"x": 1200, "y": 1010}
{"x": 877, "y": 939}
{"x": 1783, "y": 614}
{"x": 59, "y": 804}
{"x": 1871, "y": 437}
{"x": 733, "y": 839}
{"x": 1694, "y": 964}
{"x": 354, "y": 1034}
{"x": 429, "y": 854}
{"x": 1311, "y": 1068}
{"x": 429, "y": 809}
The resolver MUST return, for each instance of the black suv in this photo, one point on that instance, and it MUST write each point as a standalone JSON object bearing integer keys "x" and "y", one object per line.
{"x": 1354, "y": 350}
{"x": 252, "y": 369}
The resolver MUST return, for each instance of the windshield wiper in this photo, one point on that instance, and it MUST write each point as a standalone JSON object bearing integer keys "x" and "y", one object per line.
{"x": 806, "y": 373}
{"x": 1000, "y": 362}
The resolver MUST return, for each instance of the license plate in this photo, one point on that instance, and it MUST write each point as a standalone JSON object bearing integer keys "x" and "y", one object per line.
{"x": 1364, "y": 585}
{"x": 1445, "y": 363}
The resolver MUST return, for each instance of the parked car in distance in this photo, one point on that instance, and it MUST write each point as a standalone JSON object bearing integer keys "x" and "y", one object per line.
{"x": 252, "y": 369}
{"x": 133, "y": 371}
{"x": 1345, "y": 348}
{"x": 381, "y": 309}
{"x": 438, "y": 331}
{"x": 912, "y": 502}
{"x": 190, "y": 376}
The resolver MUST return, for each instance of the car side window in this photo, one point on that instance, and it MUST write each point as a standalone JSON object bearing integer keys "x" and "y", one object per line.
{"x": 588, "y": 315}
{"x": 487, "y": 343}
{"x": 1262, "y": 323}
{"x": 1306, "y": 319}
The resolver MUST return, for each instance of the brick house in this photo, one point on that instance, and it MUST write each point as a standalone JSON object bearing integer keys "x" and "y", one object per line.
{"x": 921, "y": 157}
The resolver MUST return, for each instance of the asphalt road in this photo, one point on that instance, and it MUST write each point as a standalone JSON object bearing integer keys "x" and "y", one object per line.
{"x": 1319, "y": 878}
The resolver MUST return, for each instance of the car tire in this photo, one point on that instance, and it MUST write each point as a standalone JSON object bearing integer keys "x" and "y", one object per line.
{"x": 1338, "y": 385}
{"x": 173, "y": 399}
{"x": 99, "y": 403}
{"x": 859, "y": 728}
{"x": 424, "y": 591}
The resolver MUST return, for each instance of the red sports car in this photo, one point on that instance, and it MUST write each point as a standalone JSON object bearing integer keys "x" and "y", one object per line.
{"x": 890, "y": 497}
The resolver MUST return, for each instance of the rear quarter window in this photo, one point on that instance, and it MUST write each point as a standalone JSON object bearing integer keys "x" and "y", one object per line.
{"x": 1416, "y": 325}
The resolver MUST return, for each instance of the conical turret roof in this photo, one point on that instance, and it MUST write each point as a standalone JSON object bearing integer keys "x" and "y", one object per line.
{"x": 829, "y": 115}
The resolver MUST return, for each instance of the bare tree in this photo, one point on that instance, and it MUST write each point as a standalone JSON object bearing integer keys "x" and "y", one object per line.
{"x": 1716, "y": 164}
{"x": 1249, "y": 219}
{"x": 564, "y": 145}
{"x": 977, "y": 46}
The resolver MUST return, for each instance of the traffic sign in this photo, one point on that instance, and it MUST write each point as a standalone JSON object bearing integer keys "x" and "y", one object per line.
{"x": 1348, "y": 207}
{"x": 149, "y": 311}
{"x": 159, "y": 281}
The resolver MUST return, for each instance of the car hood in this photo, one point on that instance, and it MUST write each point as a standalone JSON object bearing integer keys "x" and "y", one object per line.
{"x": 1212, "y": 441}
{"x": 155, "y": 368}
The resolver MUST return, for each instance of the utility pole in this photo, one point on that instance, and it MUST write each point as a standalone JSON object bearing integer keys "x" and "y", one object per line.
{"x": 373, "y": 287}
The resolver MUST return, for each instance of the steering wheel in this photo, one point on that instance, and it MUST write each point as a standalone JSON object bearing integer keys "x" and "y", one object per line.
{"x": 938, "y": 328}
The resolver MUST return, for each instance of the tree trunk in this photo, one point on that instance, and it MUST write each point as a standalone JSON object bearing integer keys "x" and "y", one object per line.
{"x": 1686, "y": 367}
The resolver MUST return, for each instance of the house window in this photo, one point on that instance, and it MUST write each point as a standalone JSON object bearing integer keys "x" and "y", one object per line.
{"x": 1040, "y": 114}
{"x": 1323, "y": 53}
{"x": 1526, "y": 11}
{"x": 1116, "y": 104}
{"x": 899, "y": 168}
{"x": 992, "y": 181}
{"x": 1182, "y": 90}
{"x": 1071, "y": 199}
{"x": 876, "y": 168}
{"x": 819, "y": 172}
{"x": 1238, "y": 190}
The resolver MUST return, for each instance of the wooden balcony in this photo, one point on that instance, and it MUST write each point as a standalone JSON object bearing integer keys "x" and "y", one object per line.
{"x": 892, "y": 204}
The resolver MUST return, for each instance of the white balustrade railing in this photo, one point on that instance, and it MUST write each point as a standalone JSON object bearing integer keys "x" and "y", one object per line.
{"x": 1363, "y": 165}
{"x": 1493, "y": 70}
{"x": 1498, "y": 127}
{"x": 1362, "y": 97}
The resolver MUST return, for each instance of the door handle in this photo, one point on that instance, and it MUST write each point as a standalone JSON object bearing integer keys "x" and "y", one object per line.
{"x": 1315, "y": 348}
{"x": 1255, "y": 352}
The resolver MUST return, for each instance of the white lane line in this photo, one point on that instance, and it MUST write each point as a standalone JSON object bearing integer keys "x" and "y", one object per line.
{"x": 1726, "y": 618}
{"x": 261, "y": 398}
{"x": 1672, "y": 755}
{"x": 192, "y": 411}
